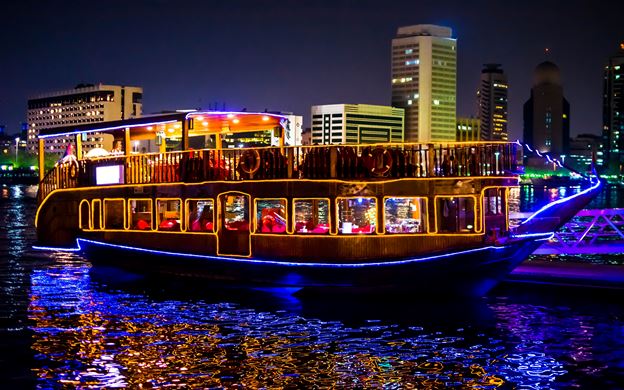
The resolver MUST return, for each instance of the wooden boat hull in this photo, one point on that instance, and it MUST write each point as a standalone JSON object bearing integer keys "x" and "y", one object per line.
{"x": 470, "y": 272}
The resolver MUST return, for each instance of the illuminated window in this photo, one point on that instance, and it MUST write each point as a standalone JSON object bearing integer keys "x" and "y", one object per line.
{"x": 495, "y": 210}
{"x": 312, "y": 216}
{"x": 200, "y": 215}
{"x": 357, "y": 215}
{"x": 405, "y": 215}
{"x": 271, "y": 215}
{"x": 455, "y": 214}
{"x": 114, "y": 214}
{"x": 168, "y": 214}
{"x": 85, "y": 215}
{"x": 493, "y": 201}
{"x": 140, "y": 214}
{"x": 236, "y": 212}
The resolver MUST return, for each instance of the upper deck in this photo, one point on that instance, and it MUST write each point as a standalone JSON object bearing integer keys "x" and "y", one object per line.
{"x": 369, "y": 162}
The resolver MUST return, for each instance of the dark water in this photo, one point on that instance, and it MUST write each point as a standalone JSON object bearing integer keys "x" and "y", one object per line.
{"x": 66, "y": 324}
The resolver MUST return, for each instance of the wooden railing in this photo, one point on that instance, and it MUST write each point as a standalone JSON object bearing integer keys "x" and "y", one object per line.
{"x": 313, "y": 162}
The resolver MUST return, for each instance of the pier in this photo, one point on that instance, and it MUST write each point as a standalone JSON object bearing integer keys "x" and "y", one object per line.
{"x": 596, "y": 231}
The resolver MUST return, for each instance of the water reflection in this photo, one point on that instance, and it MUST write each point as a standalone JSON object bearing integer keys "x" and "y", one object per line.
{"x": 531, "y": 197}
{"x": 92, "y": 330}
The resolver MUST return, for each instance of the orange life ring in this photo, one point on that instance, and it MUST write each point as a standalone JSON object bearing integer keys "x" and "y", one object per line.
{"x": 249, "y": 162}
{"x": 379, "y": 154}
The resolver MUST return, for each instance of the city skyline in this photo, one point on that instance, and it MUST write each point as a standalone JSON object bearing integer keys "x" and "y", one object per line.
{"x": 200, "y": 55}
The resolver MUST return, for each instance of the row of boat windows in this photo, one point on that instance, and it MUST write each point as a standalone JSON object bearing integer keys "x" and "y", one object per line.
{"x": 354, "y": 215}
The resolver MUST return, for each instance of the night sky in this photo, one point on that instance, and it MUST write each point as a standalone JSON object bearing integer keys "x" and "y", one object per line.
{"x": 289, "y": 55}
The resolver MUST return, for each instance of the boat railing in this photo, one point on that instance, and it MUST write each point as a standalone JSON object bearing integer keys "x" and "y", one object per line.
{"x": 345, "y": 162}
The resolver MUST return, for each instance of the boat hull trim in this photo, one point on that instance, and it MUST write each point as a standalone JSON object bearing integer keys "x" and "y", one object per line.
{"x": 470, "y": 272}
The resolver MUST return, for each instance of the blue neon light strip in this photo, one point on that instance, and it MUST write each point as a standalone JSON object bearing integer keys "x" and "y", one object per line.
{"x": 107, "y": 128}
{"x": 562, "y": 200}
{"x": 273, "y": 262}
{"x": 544, "y": 236}
{"x": 56, "y": 249}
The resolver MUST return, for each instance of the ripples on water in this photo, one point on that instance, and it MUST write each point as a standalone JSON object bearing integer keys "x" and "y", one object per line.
{"x": 67, "y": 324}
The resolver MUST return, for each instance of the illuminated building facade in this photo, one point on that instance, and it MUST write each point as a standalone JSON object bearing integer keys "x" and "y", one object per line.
{"x": 468, "y": 129}
{"x": 583, "y": 149}
{"x": 547, "y": 112}
{"x": 424, "y": 81}
{"x": 613, "y": 113}
{"x": 492, "y": 103}
{"x": 356, "y": 123}
{"x": 87, "y": 103}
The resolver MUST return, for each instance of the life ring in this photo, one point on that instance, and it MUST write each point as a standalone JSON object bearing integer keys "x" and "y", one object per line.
{"x": 73, "y": 169}
{"x": 249, "y": 162}
{"x": 379, "y": 154}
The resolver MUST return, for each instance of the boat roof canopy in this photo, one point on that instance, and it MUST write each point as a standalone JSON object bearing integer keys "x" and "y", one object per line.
{"x": 197, "y": 123}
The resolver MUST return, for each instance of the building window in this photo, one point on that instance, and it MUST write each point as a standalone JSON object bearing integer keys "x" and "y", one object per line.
{"x": 357, "y": 215}
{"x": 140, "y": 211}
{"x": 114, "y": 214}
{"x": 311, "y": 216}
{"x": 455, "y": 214}
{"x": 200, "y": 215}
{"x": 271, "y": 215}
{"x": 168, "y": 216}
{"x": 405, "y": 215}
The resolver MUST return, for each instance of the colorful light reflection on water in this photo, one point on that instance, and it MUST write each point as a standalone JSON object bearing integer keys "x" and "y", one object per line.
{"x": 90, "y": 334}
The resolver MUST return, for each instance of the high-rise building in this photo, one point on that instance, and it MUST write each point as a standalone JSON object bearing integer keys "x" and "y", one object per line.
{"x": 583, "y": 152}
{"x": 356, "y": 123}
{"x": 547, "y": 112}
{"x": 613, "y": 113}
{"x": 492, "y": 102}
{"x": 468, "y": 129}
{"x": 424, "y": 78}
{"x": 86, "y": 103}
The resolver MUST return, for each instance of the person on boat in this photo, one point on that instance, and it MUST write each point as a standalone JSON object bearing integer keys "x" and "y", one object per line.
{"x": 446, "y": 166}
{"x": 117, "y": 147}
{"x": 194, "y": 218}
{"x": 205, "y": 219}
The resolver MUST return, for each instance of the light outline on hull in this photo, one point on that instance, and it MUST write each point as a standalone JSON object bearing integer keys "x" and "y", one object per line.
{"x": 562, "y": 200}
{"x": 289, "y": 264}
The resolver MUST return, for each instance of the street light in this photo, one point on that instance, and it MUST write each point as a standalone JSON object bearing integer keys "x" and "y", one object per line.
{"x": 17, "y": 140}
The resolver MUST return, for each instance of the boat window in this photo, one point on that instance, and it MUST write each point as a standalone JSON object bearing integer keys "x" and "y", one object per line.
{"x": 114, "y": 217}
{"x": 168, "y": 214}
{"x": 494, "y": 209}
{"x": 271, "y": 215}
{"x": 200, "y": 215}
{"x": 312, "y": 216}
{"x": 405, "y": 215}
{"x": 236, "y": 215}
{"x": 85, "y": 215}
{"x": 455, "y": 214}
{"x": 493, "y": 201}
{"x": 140, "y": 214}
{"x": 357, "y": 215}
{"x": 96, "y": 207}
